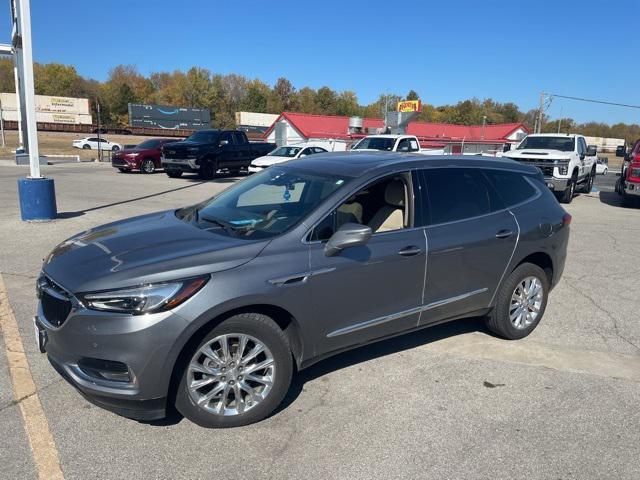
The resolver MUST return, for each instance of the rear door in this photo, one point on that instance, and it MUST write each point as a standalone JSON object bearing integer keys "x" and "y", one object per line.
{"x": 471, "y": 237}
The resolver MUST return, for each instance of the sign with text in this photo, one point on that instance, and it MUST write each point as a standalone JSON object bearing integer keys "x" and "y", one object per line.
{"x": 409, "y": 106}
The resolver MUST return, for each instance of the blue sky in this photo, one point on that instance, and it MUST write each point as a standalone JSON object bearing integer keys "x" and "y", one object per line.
{"x": 446, "y": 51}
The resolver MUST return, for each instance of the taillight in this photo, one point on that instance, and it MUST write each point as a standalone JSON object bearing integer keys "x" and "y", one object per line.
{"x": 566, "y": 220}
{"x": 634, "y": 172}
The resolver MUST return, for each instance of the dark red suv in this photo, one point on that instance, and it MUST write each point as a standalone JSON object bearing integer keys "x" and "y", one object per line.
{"x": 144, "y": 157}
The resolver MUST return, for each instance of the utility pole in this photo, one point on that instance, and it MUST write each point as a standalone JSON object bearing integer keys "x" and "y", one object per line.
{"x": 2, "y": 124}
{"x": 99, "y": 128}
{"x": 540, "y": 113}
{"x": 484, "y": 122}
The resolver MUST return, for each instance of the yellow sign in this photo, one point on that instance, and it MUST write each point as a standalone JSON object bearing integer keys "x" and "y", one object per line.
{"x": 409, "y": 106}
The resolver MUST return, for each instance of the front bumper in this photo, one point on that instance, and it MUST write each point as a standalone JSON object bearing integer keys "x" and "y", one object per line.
{"x": 632, "y": 188}
{"x": 122, "y": 163}
{"x": 142, "y": 344}
{"x": 181, "y": 164}
{"x": 556, "y": 184}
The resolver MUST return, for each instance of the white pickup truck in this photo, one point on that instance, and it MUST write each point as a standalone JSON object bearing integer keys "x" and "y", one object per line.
{"x": 567, "y": 163}
{"x": 394, "y": 143}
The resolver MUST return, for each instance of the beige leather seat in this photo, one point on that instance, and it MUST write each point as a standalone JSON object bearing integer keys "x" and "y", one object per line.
{"x": 391, "y": 216}
{"x": 349, "y": 213}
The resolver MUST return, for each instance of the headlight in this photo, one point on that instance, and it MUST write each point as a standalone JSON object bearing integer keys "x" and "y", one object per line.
{"x": 563, "y": 169}
{"x": 157, "y": 297}
{"x": 635, "y": 173}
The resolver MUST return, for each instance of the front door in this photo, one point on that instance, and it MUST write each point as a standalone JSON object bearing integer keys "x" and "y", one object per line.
{"x": 374, "y": 290}
{"x": 471, "y": 238}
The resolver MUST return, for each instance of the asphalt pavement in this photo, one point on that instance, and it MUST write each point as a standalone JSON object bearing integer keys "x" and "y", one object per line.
{"x": 447, "y": 402}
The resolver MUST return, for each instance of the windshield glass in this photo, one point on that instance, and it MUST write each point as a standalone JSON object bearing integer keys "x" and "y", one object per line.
{"x": 376, "y": 143}
{"x": 264, "y": 205}
{"x": 564, "y": 144}
{"x": 203, "y": 137}
{"x": 286, "y": 152}
{"x": 148, "y": 144}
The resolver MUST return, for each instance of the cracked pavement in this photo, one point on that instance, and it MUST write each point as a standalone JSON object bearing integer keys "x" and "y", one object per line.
{"x": 446, "y": 402}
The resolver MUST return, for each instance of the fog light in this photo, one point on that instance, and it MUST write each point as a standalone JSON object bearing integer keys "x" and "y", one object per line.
{"x": 105, "y": 369}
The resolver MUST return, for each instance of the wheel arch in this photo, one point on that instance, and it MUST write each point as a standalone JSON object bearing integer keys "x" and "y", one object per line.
{"x": 282, "y": 317}
{"x": 542, "y": 260}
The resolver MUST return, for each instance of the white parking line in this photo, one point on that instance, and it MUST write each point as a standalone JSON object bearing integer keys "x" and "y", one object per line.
{"x": 25, "y": 395}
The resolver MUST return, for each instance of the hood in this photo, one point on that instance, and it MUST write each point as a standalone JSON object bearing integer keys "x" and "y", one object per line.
{"x": 269, "y": 160}
{"x": 151, "y": 248}
{"x": 537, "y": 153}
{"x": 125, "y": 151}
{"x": 182, "y": 145}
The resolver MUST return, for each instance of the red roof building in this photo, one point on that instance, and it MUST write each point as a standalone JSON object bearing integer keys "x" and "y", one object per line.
{"x": 333, "y": 132}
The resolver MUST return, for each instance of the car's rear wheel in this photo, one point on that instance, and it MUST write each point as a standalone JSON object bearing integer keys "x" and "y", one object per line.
{"x": 238, "y": 374}
{"x": 174, "y": 173}
{"x": 520, "y": 302}
{"x": 147, "y": 166}
{"x": 86, "y": 147}
{"x": 115, "y": 148}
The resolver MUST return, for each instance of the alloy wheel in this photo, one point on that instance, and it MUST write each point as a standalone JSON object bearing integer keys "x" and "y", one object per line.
{"x": 526, "y": 302}
{"x": 231, "y": 374}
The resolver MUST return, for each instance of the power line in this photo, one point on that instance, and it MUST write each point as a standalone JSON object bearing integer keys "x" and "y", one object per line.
{"x": 594, "y": 101}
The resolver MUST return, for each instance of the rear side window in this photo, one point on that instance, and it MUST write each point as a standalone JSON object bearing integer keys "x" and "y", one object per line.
{"x": 512, "y": 187}
{"x": 459, "y": 193}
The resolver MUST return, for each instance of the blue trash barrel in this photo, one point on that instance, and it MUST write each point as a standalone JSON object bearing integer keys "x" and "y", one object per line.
{"x": 37, "y": 199}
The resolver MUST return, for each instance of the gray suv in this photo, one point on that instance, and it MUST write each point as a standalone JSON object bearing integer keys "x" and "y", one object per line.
{"x": 212, "y": 307}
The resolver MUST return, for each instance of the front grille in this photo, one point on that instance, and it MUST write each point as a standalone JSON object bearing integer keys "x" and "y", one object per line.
{"x": 55, "y": 301}
{"x": 178, "y": 154}
{"x": 546, "y": 165}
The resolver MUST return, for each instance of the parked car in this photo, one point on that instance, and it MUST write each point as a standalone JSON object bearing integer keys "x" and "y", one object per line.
{"x": 567, "y": 163}
{"x": 144, "y": 157}
{"x": 393, "y": 143}
{"x": 95, "y": 143}
{"x": 283, "y": 154}
{"x": 216, "y": 304}
{"x": 602, "y": 166}
{"x": 629, "y": 182}
{"x": 207, "y": 151}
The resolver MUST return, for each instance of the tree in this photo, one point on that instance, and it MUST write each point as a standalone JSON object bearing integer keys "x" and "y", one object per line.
{"x": 326, "y": 101}
{"x": 412, "y": 95}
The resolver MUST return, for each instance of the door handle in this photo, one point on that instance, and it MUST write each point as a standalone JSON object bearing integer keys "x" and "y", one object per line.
{"x": 409, "y": 251}
{"x": 504, "y": 234}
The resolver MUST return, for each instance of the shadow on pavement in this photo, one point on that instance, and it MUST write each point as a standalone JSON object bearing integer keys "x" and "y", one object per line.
{"x": 611, "y": 198}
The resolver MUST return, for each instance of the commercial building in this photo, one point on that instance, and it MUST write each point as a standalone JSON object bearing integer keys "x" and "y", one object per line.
{"x": 335, "y": 133}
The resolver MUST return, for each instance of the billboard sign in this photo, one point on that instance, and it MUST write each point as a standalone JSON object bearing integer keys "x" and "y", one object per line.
{"x": 410, "y": 106}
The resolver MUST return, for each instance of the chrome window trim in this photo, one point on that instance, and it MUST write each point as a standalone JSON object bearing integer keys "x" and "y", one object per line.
{"x": 394, "y": 316}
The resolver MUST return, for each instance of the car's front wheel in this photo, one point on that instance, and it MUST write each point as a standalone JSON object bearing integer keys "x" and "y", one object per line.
{"x": 238, "y": 374}
{"x": 115, "y": 148}
{"x": 147, "y": 166}
{"x": 86, "y": 146}
{"x": 520, "y": 302}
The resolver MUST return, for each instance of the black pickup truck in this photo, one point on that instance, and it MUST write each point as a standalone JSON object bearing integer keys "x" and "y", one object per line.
{"x": 207, "y": 151}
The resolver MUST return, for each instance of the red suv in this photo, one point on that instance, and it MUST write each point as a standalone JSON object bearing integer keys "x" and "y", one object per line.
{"x": 144, "y": 157}
{"x": 629, "y": 186}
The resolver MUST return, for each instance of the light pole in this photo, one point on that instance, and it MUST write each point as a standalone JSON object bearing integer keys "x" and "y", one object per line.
{"x": 37, "y": 194}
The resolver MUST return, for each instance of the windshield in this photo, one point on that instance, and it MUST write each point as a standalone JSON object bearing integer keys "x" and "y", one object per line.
{"x": 376, "y": 143}
{"x": 148, "y": 144}
{"x": 264, "y": 205}
{"x": 564, "y": 144}
{"x": 203, "y": 136}
{"x": 286, "y": 152}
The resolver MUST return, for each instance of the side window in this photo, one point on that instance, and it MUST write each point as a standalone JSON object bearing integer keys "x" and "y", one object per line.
{"x": 413, "y": 145}
{"x": 95, "y": 139}
{"x": 512, "y": 187}
{"x": 239, "y": 138}
{"x": 319, "y": 150}
{"x": 459, "y": 193}
{"x": 403, "y": 145}
{"x": 383, "y": 205}
{"x": 582, "y": 146}
{"x": 305, "y": 152}
{"x": 226, "y": 136}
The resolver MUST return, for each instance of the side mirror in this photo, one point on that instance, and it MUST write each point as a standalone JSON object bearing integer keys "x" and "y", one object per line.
{"x": 224, "y": 142}
{"x": 302, "y": 155}
{"x": 348, "y": 235}
{"x": 592, "y": 151}
{"x": 506, "y": 147}
{"x": 621, "y": 151}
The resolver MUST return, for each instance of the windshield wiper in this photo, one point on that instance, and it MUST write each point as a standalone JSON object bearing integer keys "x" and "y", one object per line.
{"x": 230, "y": 229}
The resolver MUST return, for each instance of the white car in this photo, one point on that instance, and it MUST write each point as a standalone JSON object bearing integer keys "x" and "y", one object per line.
{"x": 284, "y": 154}
{"x": 95, "y": 143}
{"x": 601, "y": 167}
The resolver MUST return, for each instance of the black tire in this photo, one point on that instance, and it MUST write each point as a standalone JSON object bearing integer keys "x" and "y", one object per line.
{"x": 174, "y": 173}
{"x": 86, "y": 147}
{"x": 271, "y": 336}
{"x": 567, "y": 195}
{"x": 115, "y": 148}
{"x": 124, "y": 170}
{"x": 498, "y": 320}
{"x": 147, "y": 166}
{"x": 208, "y": 169}
{"x": 588, "y": 184}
